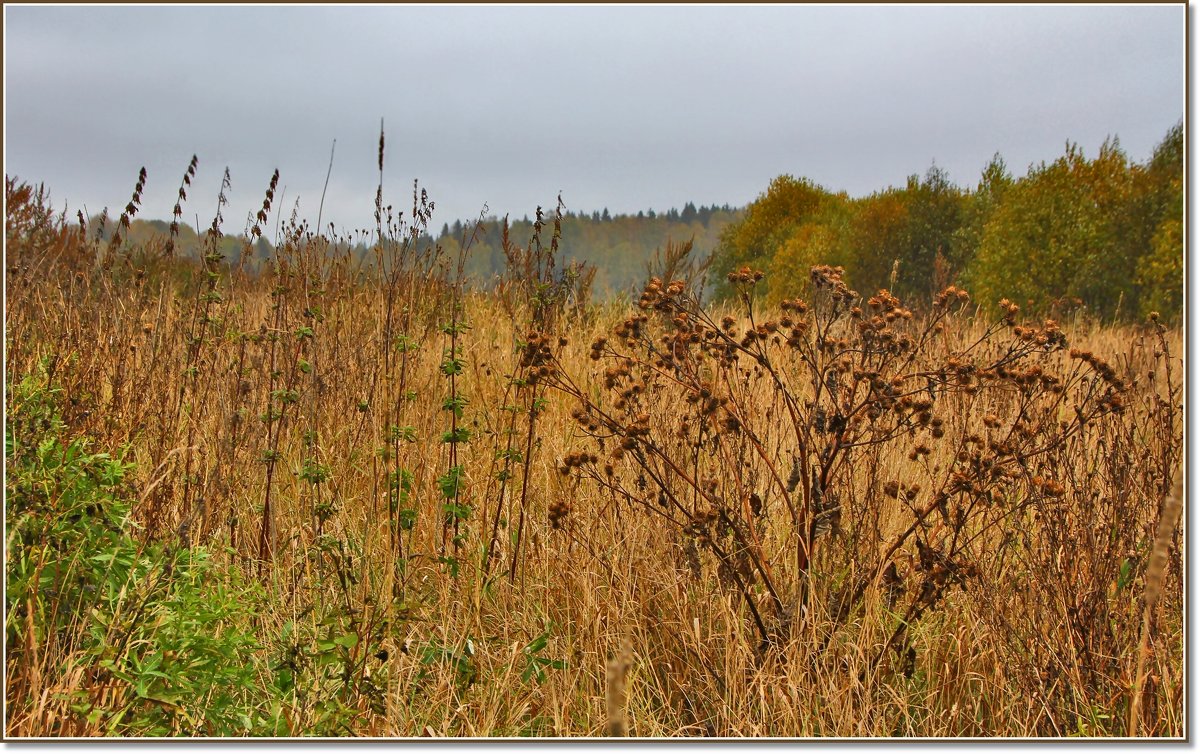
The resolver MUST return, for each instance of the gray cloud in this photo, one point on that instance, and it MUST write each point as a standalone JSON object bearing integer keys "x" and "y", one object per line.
{"x": 618, "y": 107}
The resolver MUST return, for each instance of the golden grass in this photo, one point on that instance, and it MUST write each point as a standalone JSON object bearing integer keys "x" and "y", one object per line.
{"x": 1035, "y": 632}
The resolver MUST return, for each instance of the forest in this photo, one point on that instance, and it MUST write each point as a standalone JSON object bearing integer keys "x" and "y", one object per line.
{"x": 1103, "y": 235}
{"x": 616, "y": 247}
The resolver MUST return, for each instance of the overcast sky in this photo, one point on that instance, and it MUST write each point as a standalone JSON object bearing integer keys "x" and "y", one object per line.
{"x": 618, "y": 107}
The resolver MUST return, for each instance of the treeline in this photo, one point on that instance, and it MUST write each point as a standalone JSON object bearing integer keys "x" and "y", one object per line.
{"x": 1105, "y": 234}
{"x": 152, "y": 235}
{"x": 617, "y": 246}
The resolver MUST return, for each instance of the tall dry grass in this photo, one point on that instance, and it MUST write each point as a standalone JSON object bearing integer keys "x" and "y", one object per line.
{"x": 843, "y": 517}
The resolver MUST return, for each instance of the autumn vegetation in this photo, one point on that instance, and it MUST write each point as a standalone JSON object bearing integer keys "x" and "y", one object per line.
{"x": 1100, "y": 235}
{"x": 834, "y": 479}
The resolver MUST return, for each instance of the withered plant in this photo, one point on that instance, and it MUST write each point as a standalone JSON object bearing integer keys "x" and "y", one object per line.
{"x": 837, "y": 453}
{"x": 536, "y": 298}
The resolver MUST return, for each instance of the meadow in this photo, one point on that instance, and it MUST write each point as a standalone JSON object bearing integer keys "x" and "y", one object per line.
{"x": 336, "y": 496}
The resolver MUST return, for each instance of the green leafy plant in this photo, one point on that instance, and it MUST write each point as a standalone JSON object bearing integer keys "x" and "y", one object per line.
{"x": 535, "y": 663}
{"x": 460, "y": 660}
{"x": 165, "y": 648}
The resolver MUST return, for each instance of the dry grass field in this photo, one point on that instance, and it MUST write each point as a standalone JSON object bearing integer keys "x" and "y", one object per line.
{"x": 344, "y": 498}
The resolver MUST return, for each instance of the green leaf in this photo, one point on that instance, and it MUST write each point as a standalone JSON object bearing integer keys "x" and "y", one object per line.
{"x": 404, "y": 344}
{"x": 407, "y": 433}
{"x": 406, "y": 518}
{"x": 456, "y": 404}
{"x": 538, "y": 644}
{"x": 1125, "y": 577}
{"x": 450, "y": 482}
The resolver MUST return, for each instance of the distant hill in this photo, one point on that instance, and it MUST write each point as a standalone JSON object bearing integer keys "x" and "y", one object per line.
{"x": 618, "y": 246}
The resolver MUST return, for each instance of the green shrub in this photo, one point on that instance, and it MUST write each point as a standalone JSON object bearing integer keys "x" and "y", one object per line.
{"x": 160, "y": 634}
